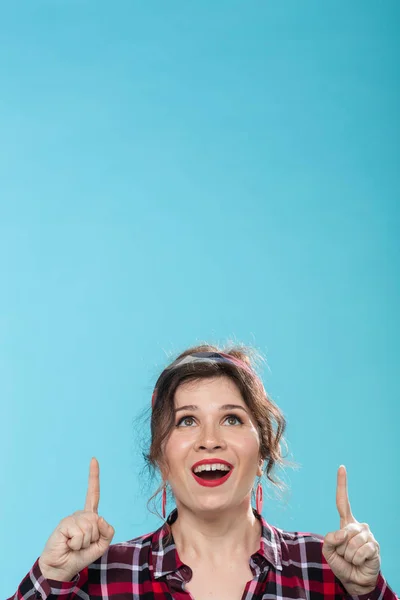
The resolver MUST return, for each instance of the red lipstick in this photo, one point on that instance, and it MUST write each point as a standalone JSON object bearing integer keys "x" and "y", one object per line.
{"x": 212, "y": 482}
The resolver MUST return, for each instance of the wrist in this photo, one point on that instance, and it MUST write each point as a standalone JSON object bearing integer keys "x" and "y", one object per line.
{"x": 54, "y": 574}
{"x": 358, "y": 590}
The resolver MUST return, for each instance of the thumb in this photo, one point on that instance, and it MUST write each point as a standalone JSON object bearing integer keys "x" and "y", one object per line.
{"x": 106, "y": 531}
{"x": 332, "y": 540}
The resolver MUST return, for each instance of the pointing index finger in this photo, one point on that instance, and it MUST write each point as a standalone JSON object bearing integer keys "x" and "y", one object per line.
{"x": 93, "y": 492}
{"x": 342, "y": 498}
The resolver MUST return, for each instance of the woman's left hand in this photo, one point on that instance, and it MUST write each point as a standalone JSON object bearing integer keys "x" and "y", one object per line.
{"x": 352, "y": 552}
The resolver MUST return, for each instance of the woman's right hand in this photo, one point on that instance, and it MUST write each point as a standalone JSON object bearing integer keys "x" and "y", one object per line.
{"x": 79, "y": 539}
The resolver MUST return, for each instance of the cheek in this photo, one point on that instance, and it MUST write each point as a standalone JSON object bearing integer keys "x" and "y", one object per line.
{"x": 176, "y": 450}
{"x": 247, "y": 444}
{"x": 250, "y": 444}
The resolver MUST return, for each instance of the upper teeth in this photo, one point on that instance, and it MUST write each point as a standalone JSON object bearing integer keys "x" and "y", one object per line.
{"x": 213, "y": 467}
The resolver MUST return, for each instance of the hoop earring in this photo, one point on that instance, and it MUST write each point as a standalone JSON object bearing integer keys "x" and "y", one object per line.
{"x": 259, "y": 499}
{"x": 164, "y": 500}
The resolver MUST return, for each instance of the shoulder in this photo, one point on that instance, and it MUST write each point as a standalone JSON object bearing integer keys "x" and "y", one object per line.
{"x": 301, "y": 546}
{"x": 134, "y": 551}
{"x": 298, "y": 536}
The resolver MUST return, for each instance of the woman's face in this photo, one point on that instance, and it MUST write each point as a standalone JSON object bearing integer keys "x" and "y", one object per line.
{"x": 208, "y": 427}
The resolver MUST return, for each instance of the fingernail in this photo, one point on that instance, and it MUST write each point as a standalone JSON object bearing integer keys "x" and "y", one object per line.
{"x": 341, "y": 535}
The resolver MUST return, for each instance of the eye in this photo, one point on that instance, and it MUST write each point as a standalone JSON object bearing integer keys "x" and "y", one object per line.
{"x": 183, "y": 421}
{"x": 234, "y": 417}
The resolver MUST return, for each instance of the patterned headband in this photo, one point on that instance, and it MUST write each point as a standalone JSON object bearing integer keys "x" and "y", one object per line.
{"x": 203, "y": 357}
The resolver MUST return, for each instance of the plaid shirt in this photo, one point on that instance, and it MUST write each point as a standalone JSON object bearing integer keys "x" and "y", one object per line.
{"x": 287, "y": 565}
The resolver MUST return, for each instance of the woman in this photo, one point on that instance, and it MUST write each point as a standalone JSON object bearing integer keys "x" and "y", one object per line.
{"x": 214, "y": 432}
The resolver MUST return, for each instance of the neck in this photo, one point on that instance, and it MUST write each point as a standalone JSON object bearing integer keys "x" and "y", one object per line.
{"x": 215, "y": 537}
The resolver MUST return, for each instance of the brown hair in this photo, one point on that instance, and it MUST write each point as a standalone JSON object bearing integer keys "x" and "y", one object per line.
{"x": 268, "y": 417}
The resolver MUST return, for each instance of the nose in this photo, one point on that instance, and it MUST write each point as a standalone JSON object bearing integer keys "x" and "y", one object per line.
{"x": 210, "y": 438}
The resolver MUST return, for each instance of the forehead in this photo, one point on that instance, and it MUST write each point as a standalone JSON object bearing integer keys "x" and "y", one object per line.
{"x": 218, "y": 390}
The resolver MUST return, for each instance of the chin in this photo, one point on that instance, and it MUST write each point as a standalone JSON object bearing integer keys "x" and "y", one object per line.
{"x": 211, "y": 507}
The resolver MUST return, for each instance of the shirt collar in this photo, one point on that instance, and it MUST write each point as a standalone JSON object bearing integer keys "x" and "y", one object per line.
{"x": 165, "y": 558}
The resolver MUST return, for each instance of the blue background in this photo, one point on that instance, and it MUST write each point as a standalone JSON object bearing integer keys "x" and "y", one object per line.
{"x": 173, "y": 172}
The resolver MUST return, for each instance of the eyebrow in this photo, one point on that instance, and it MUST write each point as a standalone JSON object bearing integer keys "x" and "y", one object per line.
{"x": 193, "y": 407}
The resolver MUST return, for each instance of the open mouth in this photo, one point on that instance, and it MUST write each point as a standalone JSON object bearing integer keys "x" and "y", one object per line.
{"x": 211, "y": 475}
{"x": 212, "y": 478}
